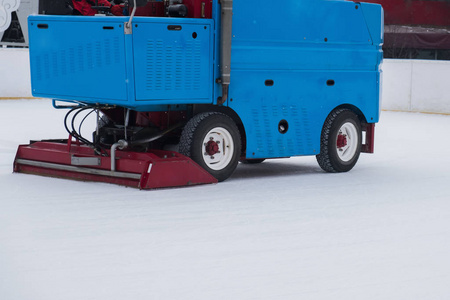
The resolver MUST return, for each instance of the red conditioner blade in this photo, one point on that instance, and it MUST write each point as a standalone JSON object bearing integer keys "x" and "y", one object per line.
{"x": 144, "y": 170}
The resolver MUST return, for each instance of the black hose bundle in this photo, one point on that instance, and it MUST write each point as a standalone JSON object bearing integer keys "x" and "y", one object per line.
{"x": 71, "y": 125}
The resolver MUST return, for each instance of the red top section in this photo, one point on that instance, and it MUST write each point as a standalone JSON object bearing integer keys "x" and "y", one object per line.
{"x": 415, "y": 12}
{"x": 199, "y": 8}
{"x": 152, "y": 9}
{"x": 84, "y": 6}
{"x": 196, "y": 9}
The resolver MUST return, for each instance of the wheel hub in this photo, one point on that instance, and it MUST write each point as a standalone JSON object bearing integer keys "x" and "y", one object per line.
{"x": 341, "y": 140}
{"x": 218, "y": 148}
{"x": 211, "y": 148}
{"x": 347, "y": 141}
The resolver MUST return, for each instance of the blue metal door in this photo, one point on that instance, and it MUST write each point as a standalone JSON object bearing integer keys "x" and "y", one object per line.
{"x": 78, "y": 58}
{"x": 173, "y": 60}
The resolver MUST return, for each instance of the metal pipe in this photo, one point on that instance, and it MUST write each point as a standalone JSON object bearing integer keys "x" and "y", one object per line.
{"x": 128, "y": 28}
{"x": 127, "y": 120}
{"x": 97, "y": 128}
{"x": 225, "y": 46}
{"x": 77, "y": 169}
{"x": 121, "y": 144}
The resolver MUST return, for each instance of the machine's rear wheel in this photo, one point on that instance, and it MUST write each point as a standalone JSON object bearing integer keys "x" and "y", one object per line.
{"x": 213, "y": 141}
{"x": 340, "y": 143}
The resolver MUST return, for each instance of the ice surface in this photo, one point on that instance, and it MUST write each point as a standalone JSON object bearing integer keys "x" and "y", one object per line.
{"x": 279, "y": 230}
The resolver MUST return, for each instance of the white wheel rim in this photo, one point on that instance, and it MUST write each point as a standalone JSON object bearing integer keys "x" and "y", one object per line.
{"x": 347, "y": 141}
{"x": 223, "y": 139}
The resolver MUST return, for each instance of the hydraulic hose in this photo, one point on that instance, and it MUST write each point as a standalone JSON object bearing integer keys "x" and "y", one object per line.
{"x": 156, "y": 136}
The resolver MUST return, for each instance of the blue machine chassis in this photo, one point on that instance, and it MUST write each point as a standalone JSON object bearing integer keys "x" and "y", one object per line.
{"x": 294, "y": 64}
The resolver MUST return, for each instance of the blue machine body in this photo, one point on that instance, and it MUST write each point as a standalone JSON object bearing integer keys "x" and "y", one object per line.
{"x": 295, "y": 63}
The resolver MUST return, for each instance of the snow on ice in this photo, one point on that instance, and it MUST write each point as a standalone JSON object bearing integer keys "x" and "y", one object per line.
{"x": 279, "y": 230}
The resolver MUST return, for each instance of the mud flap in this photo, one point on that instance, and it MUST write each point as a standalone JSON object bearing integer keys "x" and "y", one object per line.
{"x": 369, "y": 144}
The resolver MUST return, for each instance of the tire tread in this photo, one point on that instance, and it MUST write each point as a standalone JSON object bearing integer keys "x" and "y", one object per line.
{"x": 190, "y": 136}
{"x": 188, "y": 132}
{"x": 324, "y": 158}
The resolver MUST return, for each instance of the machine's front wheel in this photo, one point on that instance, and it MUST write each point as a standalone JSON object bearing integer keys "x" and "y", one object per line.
{"x": 340, "y": 143}
{"x": 213, "y": 141}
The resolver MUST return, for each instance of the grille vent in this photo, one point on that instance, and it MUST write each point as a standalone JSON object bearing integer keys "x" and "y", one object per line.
{"x": 77, "y": 59}
{"x": 171, "y": 67}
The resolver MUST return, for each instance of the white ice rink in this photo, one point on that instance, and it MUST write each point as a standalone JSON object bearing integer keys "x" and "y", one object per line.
{"x": 279, "y": 230}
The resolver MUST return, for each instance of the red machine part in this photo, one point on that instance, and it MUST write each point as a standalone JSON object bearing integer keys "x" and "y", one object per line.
{"x": 196, "y": 9}
{"x": 144, "y": 170}
{"x": 160, "y": 119}
{"x": 199, "y": 8}
{"x": 341, "y": 141}
{"x": 151, "y": 9}
{"x": 212, "y": 148}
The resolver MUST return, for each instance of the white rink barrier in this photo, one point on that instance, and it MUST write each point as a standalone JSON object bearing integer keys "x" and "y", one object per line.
{"x": 416, "y": 85}
{"x": 408, "y": 85}
{"x": 14, "y": 73}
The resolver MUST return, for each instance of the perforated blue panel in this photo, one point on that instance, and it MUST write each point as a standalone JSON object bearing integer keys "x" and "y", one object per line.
{"x": 173, "y": 60}
{"x": 78, "y": 58}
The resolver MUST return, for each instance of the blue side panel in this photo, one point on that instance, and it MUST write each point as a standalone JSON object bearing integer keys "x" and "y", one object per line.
{"x": 173, "y": 60}
{"x": 78, "y": 58}
{"x": 318, "y": 54}
{"x": 303, "y": 99}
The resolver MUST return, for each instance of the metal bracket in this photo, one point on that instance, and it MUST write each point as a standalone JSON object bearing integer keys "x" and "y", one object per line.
{"x": 85, "y": 161}
{"x": 127, "y": 28}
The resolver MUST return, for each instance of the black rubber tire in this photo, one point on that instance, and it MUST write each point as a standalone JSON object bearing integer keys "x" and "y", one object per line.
{"x": 195, "y": 131}
{"x": 328, "y": 158}
{"x": 252, "y": 161}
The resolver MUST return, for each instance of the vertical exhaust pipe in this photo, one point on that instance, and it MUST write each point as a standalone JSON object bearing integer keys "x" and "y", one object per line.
{"x": 225, "y": 47}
